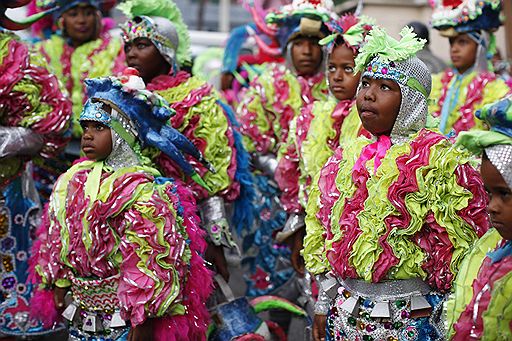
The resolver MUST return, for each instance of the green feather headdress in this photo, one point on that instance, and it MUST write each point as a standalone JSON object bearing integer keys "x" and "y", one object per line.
{"x": 164, "y": 9}
{"x": 377, "y": 57}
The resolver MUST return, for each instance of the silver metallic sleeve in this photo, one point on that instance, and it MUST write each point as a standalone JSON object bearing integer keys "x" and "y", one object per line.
{"x": 215, "y": 222}
{"x": 16, "y": 141}
{"x": 266, "y": 163}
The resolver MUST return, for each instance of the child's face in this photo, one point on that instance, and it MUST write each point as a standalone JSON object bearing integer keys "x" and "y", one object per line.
{"x": 500, "y": 196}
{"x": 80, "y": 24}
{"x": 378, "y": 103}
{"x": 96, "y": 140}
{"x": 463, "y": 52}
{"x": 306, "y": 55}
{"x": 143, "y": 55}
{"x": 340, "y": 72}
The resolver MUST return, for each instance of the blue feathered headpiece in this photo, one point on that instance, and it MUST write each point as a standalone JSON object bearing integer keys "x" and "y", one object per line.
{"x": 57, "y": 7}
{"x": 149, "y": 113}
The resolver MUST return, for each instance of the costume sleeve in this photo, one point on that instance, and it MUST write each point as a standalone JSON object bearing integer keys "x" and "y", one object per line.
{"x": 256, "y": 123}
{"x": 322, "y": 196}
{"x": 288, "y": 172}
{"x": 156, "y": 254}
{"x": 33, "y": 99}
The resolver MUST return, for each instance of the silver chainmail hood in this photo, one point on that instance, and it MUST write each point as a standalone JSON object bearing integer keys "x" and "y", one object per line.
{"x": 413, "y": 109}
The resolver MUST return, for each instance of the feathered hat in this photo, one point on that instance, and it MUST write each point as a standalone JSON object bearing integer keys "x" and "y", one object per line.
{"x": 301, "y": 17}
{"x": 349, "y": 30}
{"x": 497, "y": 142}
{"x": 161, "y": 22}
{"x": 140, "y": 117}
{"x": 452, "y": 17}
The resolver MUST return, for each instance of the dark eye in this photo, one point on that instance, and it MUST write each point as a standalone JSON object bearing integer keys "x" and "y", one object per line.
{"x": 349, "y": 69}
{"x": 141, "y": 46}
{"x": 99, "y": 127}
{"x": 127, "y": 48}
{"x": 365, "y": 84}
{"x": 331, "y": 68}
{"x": 385, "y": 87}
{"x": 505, "y": 195}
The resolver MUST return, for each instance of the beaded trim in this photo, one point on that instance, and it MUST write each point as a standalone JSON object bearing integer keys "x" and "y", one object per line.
{"x": 381, "y": 70}
{"x": 145, "y": 28}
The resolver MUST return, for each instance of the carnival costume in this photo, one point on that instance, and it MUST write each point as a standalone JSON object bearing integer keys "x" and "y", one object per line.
{"x": 123, "y": 239}
{"x": 391, "y": 217}
{"x": 318, "y": 130}
{"x": 273, "y": 99}
{"x": 100, "y": 57}
{"x": 456, "y": 97}
{"x": 34, "y": 115}
{"x": 201, "y": 116}
{"x": 480, "y": 306}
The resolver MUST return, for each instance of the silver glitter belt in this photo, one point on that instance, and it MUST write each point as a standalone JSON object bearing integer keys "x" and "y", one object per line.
{"x": 388, "y": 290}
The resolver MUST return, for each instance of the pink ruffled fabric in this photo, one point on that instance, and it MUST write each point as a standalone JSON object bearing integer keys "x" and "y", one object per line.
{"x": 489, "y": 273}
{"x": 198, "y": 287}
{"x": 405, "y": 183}
{"x": 287, "y": 177}
{"x": 329, "y": 193}
{"x": 475, "y": 214}
{"x": 12, "y": 65}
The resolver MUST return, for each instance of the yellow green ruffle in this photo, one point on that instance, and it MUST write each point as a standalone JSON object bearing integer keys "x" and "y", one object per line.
{"x": 212, "y": 127}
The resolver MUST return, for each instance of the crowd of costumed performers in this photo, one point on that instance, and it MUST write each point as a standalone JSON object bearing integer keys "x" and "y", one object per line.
{"x": 330, "y": 180}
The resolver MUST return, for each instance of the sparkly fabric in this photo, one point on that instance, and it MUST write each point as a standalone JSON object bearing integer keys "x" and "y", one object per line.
{"x": 501, "y": 158}
{"x": 342, "y": 325}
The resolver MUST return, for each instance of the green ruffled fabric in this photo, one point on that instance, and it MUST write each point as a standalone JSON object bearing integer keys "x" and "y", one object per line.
{"x": 211, "y": 127}
{"x": 82, "y": 66}
{"x": 468, "y": 271}
{"x": 498, "y": 315}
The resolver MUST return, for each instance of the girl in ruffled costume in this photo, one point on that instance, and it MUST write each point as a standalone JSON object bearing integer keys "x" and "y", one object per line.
{"x": 34, "y": 114}
{"x": 480, "y": 308}
{"x": 470, "y": 84}
{"x": 157, "y": 44}
{"x": 318, "y": 130}
{"x": 81, "y": 49}
{"x": 122, "y": 240}
{"x": 395, "y": 214}
{"x": 268, "y": 106}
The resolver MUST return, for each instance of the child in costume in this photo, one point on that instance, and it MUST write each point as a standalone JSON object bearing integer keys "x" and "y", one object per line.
{"x": 395, "y": 214}
{"x": 124, "y": 241}
{"x": 480, "y": 306}
{"x": 80, "y": 49}
{"x": 157, "y": 44}
{"x": 272, "y": 100}
{"x": 34, "y": 115}
{"x": 318, "y": 130}
{"x": 470, "y": 84}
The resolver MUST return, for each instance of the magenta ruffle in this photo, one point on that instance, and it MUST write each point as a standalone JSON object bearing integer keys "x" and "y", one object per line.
{"x": 287, "y": 177}
{"x": 329, "y": 193}
{"x": 12, "y": 66}
{"x": 197, "y": 288}
{"x": 489, "y": 273}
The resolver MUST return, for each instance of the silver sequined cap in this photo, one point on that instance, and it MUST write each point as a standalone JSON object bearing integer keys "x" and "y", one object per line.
{"x": 501, "y": 157}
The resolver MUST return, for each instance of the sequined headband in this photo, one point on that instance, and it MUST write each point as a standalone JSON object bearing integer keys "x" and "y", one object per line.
{"x": 145, "y": 27}
{"x": 382, "y": 70}
{"x": 93, "y": 111}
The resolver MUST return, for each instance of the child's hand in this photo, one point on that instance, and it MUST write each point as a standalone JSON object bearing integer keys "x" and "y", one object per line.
{"x": 58, "y": 296}
{"x": 319, "y": 324}
{"x": 143, "y": 332}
